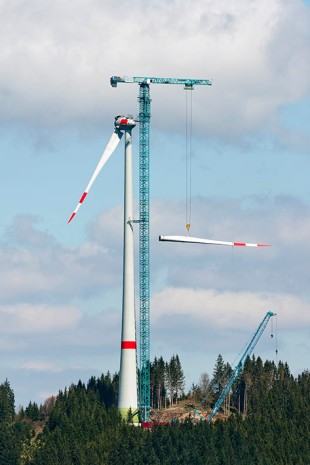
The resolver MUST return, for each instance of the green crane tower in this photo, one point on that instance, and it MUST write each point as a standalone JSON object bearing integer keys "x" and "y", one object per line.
{"x": 144, "y": 222}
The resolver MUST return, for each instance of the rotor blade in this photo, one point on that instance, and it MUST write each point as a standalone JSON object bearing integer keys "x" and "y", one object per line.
{"x": 112, "y": 144}
{"x": 198, "y": 240}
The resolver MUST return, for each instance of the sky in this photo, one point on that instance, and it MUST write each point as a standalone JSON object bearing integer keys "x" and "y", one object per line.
{"x": 61, "y": 284}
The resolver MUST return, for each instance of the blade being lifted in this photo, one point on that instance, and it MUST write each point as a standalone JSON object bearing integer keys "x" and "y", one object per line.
{"x": 112, "y": 144}
{"x": 198, "y": 240}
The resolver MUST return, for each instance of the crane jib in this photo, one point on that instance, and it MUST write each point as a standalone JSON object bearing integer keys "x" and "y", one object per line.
{"x": 155, "y": 80}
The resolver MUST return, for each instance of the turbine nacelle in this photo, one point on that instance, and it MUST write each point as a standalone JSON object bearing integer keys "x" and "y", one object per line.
{"x": 124, "y": 122}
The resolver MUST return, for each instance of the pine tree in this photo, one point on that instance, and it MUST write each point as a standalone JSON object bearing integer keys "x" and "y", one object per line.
{"x": 7, "y": 403}
{"x": 175, "y": 379}
{"x": 169, "y": 381}
{"x": 161, "y": 390}
{"x": 218, "y": 375}
{"x": 180, "y": 378}
{"x": 32, "y": 411}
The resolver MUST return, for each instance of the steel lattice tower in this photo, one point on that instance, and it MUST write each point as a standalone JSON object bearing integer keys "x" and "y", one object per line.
{"x": 144, "y": 249}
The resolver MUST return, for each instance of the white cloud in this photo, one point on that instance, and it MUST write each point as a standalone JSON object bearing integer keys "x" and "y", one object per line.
{"x": 25, "y": 318}
{"x": 40, "y": 269}
{"x": 229, "y": 310}
{"x": 56, "y": 60}
{"x": 40, "y": 365}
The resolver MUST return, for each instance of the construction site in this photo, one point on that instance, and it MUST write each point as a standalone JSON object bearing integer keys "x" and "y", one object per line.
{"x": 134, "y": 379}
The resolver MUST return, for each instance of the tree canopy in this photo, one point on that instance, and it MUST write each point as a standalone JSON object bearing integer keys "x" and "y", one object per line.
{"x": 268, "y": 424}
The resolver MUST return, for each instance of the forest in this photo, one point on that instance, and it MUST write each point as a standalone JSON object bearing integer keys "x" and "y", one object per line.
{"x": 265, "y": 421}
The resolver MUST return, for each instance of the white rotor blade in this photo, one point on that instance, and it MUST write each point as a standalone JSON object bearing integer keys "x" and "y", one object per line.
{"x": 111, "y": 146}
{"x": 198, "y": 240}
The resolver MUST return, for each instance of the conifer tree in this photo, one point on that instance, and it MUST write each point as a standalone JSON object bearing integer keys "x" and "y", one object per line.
{"x": 7, "y": 403}
{"x": 218, "y": 375}
{"x": 180, "y": 378}
{"x": 32, "y": 411}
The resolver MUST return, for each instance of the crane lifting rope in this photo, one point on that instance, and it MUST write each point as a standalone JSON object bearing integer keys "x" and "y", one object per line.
{"x": 188, "y": 155}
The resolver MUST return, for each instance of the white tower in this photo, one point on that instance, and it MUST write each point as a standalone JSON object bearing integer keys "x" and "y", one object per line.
{"x": 128, "y": 389}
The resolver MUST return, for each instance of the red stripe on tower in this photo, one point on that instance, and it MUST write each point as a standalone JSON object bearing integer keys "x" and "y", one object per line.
{"x": 129, "y": 345}
{"x": 239, "y": 244}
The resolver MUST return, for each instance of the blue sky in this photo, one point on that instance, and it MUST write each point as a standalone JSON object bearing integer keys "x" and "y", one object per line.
{"x": 60, "y": 293}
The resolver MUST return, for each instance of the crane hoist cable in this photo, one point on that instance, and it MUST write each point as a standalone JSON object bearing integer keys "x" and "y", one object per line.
{"x": 276, "y": 341}
{"x": 188, "y": 155}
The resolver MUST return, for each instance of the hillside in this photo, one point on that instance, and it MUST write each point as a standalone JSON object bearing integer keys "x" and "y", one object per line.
{"x": 82, "y": 426}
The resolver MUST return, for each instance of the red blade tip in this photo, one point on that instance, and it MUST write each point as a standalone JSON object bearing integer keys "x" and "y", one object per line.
{"x": 71, "y": 217}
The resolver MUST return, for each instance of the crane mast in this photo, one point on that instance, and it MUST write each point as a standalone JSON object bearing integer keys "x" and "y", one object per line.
{"x": 144, "y": 250}
{"x": 238, "y": 369}
{"x": 144, "y": 221}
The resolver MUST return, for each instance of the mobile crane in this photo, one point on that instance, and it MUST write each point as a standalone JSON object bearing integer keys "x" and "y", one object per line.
{"x": 239, "y": 367}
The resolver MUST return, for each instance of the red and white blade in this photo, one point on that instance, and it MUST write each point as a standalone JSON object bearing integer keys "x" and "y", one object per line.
{"x": 199, "y": 240}
{"x": 111, "y": 146}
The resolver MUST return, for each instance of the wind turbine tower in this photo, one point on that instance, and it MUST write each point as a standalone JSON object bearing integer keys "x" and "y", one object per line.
{"x": 128, "y": 385}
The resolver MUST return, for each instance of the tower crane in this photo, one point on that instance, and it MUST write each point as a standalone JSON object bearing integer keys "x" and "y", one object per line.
{"x": 144, "y": 217}
{"x": 239, "y": 367}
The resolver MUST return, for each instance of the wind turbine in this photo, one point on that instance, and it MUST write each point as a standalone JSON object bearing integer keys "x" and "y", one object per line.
{"x": 128, "y": 389}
